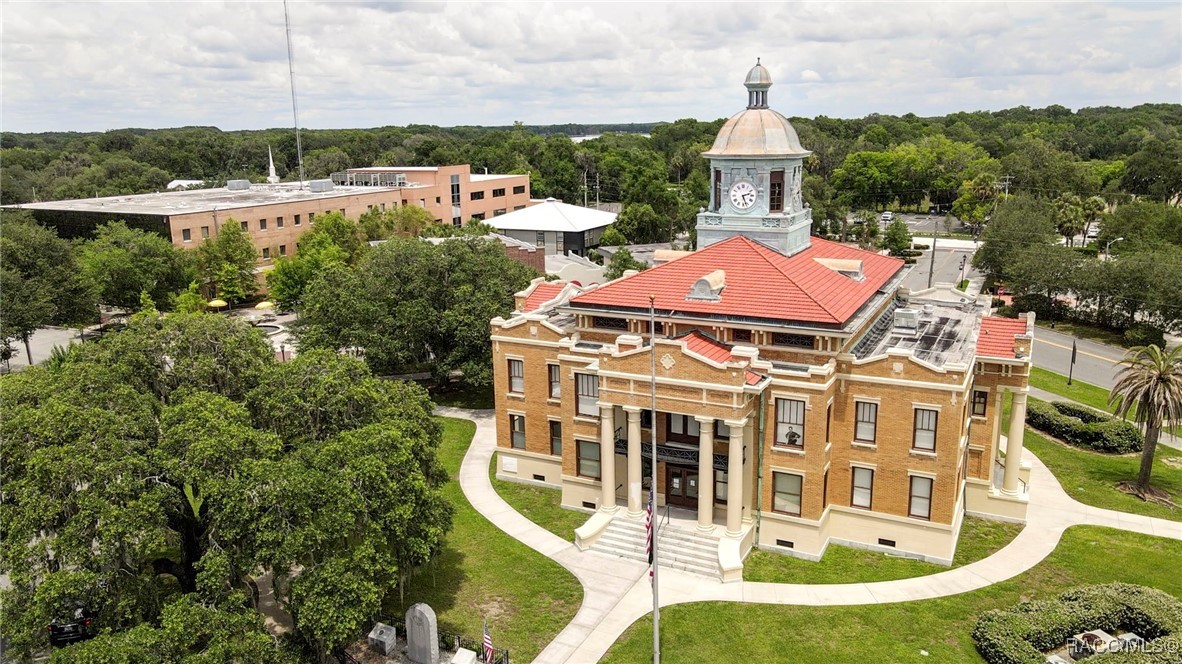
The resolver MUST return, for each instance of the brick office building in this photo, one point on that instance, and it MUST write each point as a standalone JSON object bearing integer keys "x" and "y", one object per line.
{"x": 803, "y": 397}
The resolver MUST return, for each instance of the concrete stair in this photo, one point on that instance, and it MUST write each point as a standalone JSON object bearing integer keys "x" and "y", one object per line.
{"x": 677, "y": 548}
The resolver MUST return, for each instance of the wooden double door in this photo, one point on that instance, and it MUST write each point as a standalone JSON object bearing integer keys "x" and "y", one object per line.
{"x": 681, "y": 486}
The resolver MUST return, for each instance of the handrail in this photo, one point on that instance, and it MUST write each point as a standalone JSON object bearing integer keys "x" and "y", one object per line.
{"x": 665, "y": 519}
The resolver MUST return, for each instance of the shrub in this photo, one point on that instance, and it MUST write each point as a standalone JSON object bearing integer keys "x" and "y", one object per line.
{"x": 997, "y": 302}
{"x": 1091, "y": 251}
{"x": 1144, "y": 335}
{"x": 1043, "y": 307}
{"x": 909, "y": 261}
{"x": 921, "y": 247}
{"x": 1006, "y": 311}
{"x": 1020, "y": 634}
{"x": 1083, "y": 427}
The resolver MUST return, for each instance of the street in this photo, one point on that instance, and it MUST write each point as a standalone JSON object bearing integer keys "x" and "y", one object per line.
{"x": 1094, "y": 362}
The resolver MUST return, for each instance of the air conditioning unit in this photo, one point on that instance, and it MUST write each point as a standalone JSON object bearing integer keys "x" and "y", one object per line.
{"x": 238, "y": 185}
{"x": 907, "y": 319}
{"x": 318, "y": 186}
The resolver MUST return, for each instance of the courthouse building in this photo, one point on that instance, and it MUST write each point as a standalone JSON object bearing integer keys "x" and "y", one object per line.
{"x": 803, "y": 396}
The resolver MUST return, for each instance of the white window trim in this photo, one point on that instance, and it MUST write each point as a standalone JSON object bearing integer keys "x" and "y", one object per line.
{"x": 920, "y": 473}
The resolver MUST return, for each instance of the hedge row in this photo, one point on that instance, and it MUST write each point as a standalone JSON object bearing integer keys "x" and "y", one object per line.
{"x": 1021, "y": 634}
{"x": 1084, "y": 427}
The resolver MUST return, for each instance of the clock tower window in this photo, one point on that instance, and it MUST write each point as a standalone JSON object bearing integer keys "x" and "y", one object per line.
{"x": 717, "y": 190}
{"x": 776, "y": 192}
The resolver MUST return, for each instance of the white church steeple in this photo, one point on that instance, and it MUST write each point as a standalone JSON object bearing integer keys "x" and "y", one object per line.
{"x": 272, "y": 178}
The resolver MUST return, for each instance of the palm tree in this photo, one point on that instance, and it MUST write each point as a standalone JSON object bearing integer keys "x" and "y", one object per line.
{"x": 1150, "y": 385}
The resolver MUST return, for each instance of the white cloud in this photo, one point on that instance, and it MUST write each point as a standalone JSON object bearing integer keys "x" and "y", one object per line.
{"x": 86, "y": 66}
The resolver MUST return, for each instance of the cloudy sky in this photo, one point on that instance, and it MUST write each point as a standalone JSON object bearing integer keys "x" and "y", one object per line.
{"x": 103, "y": 65}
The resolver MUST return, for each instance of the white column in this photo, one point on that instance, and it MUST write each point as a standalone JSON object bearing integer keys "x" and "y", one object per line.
{"x": 749, "y": 452}
{"x": 735, "y": 479}
{"x": 635, "y": 508}
{"x": 607, "y": 456}
{"x": 705, "y": 473}
{"x": 1014, "y": 444}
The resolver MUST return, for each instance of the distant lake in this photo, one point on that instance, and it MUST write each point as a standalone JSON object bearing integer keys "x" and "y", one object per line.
{"x": 580, "y": 139}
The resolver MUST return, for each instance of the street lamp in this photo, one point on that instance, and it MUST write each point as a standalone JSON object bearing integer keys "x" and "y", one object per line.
{"x": 1109, "y": 244}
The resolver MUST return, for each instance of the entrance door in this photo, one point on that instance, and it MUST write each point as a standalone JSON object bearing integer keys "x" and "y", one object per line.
{"x": 681, "y": 486}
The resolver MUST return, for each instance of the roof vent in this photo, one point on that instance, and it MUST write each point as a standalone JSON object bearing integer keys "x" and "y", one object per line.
{"x": 319, "y": 186}
{"x": 708, "y": 287}
{"x": 238, "y": 185}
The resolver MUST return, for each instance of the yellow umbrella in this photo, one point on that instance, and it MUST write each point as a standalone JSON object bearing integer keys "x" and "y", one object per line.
{"x": 218, "y": 304}
{"x": 265, "y": 304}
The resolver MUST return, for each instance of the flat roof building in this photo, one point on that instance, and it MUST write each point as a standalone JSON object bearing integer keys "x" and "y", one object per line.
{"x": 558, "y": 227}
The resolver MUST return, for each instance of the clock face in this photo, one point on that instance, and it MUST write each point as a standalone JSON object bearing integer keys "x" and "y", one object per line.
{"x": 743, "y": 195}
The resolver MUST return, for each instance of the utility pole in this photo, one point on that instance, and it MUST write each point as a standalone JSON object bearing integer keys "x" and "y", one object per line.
{"x": 596, "y": 190}
{"x": 932, "y": 269}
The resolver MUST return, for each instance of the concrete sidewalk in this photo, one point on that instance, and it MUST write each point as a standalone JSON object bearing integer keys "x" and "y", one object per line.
{"x": 616, "y": 593}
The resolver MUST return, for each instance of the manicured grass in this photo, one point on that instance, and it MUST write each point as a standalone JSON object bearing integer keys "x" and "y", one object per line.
{"x": 540, "y": 505}
{"x": 1085, "y": 393}
{"x": 842, "y": 564}
{"x": 731, "y": 632}
{"x": 1101, "y": 334}
{"x": 964, "y": 283}
{"x": 1091, "y": 477}
{"x": 464, "y": 397}
{"x": 483, "y": 573}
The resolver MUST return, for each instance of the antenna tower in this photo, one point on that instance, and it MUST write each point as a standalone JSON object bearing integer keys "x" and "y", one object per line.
{"x": 295, "y": 110}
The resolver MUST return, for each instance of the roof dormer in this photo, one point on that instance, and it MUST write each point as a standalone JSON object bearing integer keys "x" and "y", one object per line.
{"x": 708, "y": 287}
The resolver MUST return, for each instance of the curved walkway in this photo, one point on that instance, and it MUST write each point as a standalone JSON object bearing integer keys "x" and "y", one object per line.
{"x": 616, "y": 592}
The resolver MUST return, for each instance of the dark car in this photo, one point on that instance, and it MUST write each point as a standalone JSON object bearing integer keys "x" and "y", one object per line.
{"x": 63, "y": 632}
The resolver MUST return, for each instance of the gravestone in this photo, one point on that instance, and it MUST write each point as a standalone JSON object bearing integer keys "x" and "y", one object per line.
{"x": 464, "y": 656}
{"x": 383, "y": 639}
{"x": 422, "y": 634}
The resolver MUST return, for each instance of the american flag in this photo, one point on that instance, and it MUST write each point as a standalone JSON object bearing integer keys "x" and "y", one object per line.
{"x": 648, "y": 530}
{"x": 488, "y": 646}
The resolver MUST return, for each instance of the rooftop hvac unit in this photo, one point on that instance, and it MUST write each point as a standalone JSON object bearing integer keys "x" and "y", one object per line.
{"x": 907, "y": 319}
{"x": 238, "y": 185}
{"x": 319, "y": 186}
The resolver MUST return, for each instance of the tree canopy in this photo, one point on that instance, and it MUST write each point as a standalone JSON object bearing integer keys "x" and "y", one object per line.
{"x": 122, "y": 262}
{"x": 155, "y": 489}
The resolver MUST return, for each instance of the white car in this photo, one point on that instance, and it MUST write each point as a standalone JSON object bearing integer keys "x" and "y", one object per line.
{"x": 887, "y": 216}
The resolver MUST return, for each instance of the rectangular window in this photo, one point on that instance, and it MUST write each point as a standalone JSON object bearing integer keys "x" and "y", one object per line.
{"x": 477, "y": 196}
{"x": 825, "y": 489}
{"x": 479, "y": 216}
{"x": 787, "y": 493}
{"x": 863, "y": 490}
{"x": 516, "y": 376}
{"x": 204, "y": 232}
{"x": 518, "y": 207}
{"x": 311, "y": 217}
{"x": 186, "y": 235}
{"x": 342, "y": 212}
{"x": 457, "y": 221}
{"x": 789, "y": 423}
{"x": 517, "y": 431}
{"x": 605, "y": 323}
{"x": 519, "y": 189}
{"x": 720, "y": 486}
{"x": 587, "y": 393}
{"x": 455, "y": 191}
{"x": 498, "y": 193}
{"x": 925, "y": 429}
{"x": 683, "y": 426}
{"x": 793, "y": 340}
{"x": 555, "y": 373}
{"x": 717, "y": 198}
{"x": 266, "y": 252}
{"x": 540, "y": 238}
{"x": 920, "y": 505}
{"x": 867, "y": 421}
{"x": 560, "y": 242}
{"x": 776, "y": 192}
{"x": 497, "y": 213}
{"x": 828, "y": 422}
{"x": 296, "y": 220}
{"x": 245, "y": 227}
{"x": 278, "y": 222}
{"x": 438, "y": 200}
{"x": 283, "y": 250}
{"x": 741, "y": 335}
{"x": 382, "y": 207}
{"x": 587, "y": 459}
{"x": 262, "y": 224}
{"x": 980, "y": 403}
{"x": 721, "y": 430}
{"x": 555, "y": 437}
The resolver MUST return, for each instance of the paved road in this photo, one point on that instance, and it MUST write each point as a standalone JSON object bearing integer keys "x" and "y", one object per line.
{"x": 947, "y": 268}
{"x": 1095, "y": 363}
{"x": 41, "y": 343}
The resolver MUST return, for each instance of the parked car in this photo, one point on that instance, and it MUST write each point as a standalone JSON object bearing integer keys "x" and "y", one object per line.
{"x": 887, "y": 217}
{"x": 70, "y": 630}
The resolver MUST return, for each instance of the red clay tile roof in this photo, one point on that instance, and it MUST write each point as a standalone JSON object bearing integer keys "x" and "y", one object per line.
{"x": 753, "y": 378}
{"x": 542, "y": 293}
{"x": 997, "y": 336}
{"x": 760, "y": 283}
{"x": 698, "y": 343}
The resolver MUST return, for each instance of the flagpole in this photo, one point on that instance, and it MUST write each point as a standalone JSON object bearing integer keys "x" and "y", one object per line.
{"x": 652, "y": 341}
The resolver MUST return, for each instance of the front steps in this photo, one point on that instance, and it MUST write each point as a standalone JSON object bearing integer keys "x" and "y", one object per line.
{"x": 677, "y": 548}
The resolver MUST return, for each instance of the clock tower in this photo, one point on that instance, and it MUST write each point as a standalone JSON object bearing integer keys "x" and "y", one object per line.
{"x": 756, "y": 166}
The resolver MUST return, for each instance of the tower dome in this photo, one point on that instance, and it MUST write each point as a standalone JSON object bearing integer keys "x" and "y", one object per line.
{"x": 757, "y": 131}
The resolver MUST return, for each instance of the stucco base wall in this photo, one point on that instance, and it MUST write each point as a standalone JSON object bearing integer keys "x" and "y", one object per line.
{"x": 982, "y": 500}
{"x": 931, "y": 542}
{"x": 529, "y": 468}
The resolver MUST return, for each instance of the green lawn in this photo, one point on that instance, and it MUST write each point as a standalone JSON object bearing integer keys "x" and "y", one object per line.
{"x": 1085, "y": 393}
{"x": 483, "y": 573}
{"x": 539, "y": 504}
{"x": 842, "y": 564}
{"x": 1091, "y": 477}
{"x": 731, "y": 632}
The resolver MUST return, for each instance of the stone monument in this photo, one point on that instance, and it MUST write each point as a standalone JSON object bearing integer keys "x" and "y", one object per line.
{"x": 464, "y": 656}
{"x": 383, "y": 638}
{"x": 422, "y": 634}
